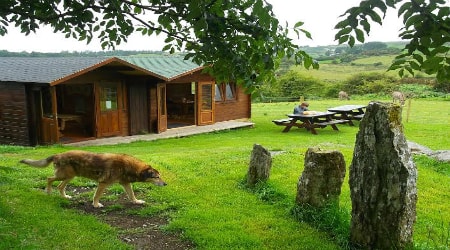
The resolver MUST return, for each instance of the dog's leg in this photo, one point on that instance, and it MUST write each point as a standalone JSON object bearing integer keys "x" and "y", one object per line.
{"x": 61, "y": 174}
{"x": 98, "y": 193}
{"x": 62, "y": 188}
{"x": 129, "y": 190}
{"x": 50, "y": 180}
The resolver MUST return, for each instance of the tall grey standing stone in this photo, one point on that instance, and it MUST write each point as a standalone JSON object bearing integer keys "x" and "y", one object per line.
{"x": 382, "y": 181}
{"x": 322, "y": 178}
{"x": 260, "y": 165}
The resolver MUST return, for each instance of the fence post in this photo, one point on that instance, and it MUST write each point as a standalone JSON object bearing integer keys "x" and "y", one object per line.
{"x": 409, "y": 110}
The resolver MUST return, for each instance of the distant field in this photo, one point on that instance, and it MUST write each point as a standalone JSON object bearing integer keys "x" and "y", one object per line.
{"x": 335, "y": 73}
{"x": 398, "y": 44}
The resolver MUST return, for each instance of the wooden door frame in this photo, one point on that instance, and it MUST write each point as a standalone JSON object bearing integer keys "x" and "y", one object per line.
{"x": 98, "y": 111}
{"x": 48, "y": 128}
{"x": 205, "y": 116}
{"x": 161, "y": 91}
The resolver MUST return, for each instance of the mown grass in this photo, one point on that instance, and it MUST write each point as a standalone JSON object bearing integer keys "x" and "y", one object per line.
{"x": 206, "y": 200}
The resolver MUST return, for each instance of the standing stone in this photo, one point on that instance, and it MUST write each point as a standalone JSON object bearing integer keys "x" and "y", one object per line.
{"x": 382, "y": 181}
{"x": 322, "y": 178}
{"x": 260, "y": 164}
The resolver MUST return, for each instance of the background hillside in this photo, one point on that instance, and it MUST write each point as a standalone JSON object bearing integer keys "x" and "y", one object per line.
{"x": 360, "y": 71}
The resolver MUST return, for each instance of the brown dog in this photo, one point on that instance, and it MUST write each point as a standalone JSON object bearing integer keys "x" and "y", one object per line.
{"x": 106, "y": 169}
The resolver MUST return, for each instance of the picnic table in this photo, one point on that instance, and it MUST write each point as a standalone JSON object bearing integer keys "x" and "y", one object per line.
{"x": 310, "y": 121}
{"x": 349, "y": 112}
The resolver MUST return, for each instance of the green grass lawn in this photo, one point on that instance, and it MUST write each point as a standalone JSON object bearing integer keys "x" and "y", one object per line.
{"x": 205, "y": 199}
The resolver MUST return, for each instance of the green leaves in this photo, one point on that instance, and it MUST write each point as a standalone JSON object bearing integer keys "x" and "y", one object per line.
{"x": 427, "y": 28}
{"x": 242, "y": 40}
{"x": 405, "y": 7}
{"x": 359, "y": 35}
{"x": 343, "y": 32}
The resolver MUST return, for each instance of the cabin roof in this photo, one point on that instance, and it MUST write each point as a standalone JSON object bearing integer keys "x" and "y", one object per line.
{"x": 169, "y": 67}
{"x": 43, "y": 69}
{"x": 55, "y": 70}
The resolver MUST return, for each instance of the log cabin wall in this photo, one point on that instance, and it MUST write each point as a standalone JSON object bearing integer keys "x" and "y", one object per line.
{"x": 225, "y": 111}
{"x": 233, "y": 110}
{"x": 14, "y": 128}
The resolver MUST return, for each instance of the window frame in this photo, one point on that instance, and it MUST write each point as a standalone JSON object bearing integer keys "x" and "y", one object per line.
{"x": 223, "y": 90}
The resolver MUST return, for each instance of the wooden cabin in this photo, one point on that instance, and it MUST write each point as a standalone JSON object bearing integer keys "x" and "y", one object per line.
{"x": 64, "y": 99}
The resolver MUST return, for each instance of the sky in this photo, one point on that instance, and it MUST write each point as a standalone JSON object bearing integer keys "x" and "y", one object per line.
{"x": 319, "y": 16}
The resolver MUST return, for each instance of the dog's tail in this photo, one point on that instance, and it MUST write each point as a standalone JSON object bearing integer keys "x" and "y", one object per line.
{"x": 38, "y": 163}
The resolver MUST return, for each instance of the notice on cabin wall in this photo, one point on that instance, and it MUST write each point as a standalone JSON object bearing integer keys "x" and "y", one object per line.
{"x": 108, "y": 105}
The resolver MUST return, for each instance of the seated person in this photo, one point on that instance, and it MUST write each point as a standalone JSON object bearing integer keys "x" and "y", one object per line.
{"x": 301, "y": 108}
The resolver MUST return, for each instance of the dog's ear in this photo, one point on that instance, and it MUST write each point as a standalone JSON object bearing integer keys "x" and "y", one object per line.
{"x": 152, "y": 175}
{"x": 149, "y": 173}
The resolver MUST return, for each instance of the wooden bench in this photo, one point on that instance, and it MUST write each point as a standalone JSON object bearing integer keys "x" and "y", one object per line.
{"x": 282, "y": 122}
{"x": 358, "y": 117}
{"x": 332, "y": 122}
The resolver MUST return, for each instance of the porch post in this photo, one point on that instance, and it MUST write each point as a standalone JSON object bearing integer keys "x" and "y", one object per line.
{"x": 55, "y": 131}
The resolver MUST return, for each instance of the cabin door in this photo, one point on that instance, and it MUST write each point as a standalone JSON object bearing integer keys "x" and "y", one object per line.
{"x": 138, "y": 108}
{"x": 205, "y": 103}
{"x": 109, "y": 105}
{"x": 162, "y": 107}
{"x": 45, "y": 116}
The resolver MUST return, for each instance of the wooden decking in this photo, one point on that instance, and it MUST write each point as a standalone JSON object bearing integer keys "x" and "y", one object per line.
{"x": 170, "y": 133}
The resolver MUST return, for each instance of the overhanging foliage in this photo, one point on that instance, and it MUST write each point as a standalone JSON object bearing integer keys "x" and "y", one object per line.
{"x": 243, "y": 41}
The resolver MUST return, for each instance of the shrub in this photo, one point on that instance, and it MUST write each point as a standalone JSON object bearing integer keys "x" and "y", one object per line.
{"x": 332, "y": 90}
{"x": 378, "y": 64}
{"x": 370, "y": 83}
{"x": 296, "y": 84}
{"x": 443, "y": 86}
{"x": 419, "y": 91}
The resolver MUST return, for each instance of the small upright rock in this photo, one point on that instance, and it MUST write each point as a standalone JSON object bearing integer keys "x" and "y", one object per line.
{"x": 260, "y": 165}
{"x": 322, "y": 178}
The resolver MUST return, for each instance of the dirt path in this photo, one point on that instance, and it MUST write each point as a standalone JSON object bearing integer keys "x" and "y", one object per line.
{"x": 440, "y": 155}
{"x": 138, "y": 231}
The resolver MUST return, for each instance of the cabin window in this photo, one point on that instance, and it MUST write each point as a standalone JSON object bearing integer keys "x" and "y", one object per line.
{"x": 206, "y": 97}
{"x": 225, "y": 92}
{"x": 46, "y": 98}
{"x": 217, "y": 94}
{"x": 109, "y": 99}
